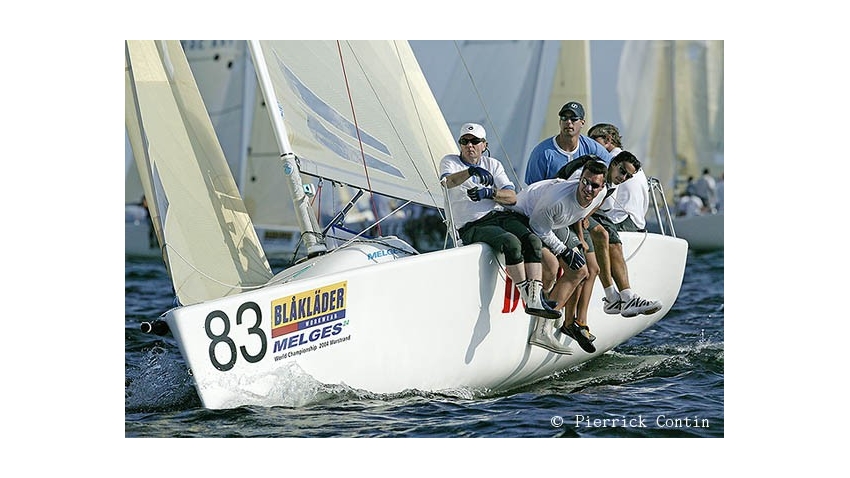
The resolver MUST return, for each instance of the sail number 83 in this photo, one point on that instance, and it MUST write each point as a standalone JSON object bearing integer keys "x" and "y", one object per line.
{"x": 223, "y": 339}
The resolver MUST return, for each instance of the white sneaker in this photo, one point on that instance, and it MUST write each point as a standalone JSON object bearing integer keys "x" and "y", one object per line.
{"x": 638, "y": 305}
{"x": 544, "y": 336}
{"x": 614, "y": 307}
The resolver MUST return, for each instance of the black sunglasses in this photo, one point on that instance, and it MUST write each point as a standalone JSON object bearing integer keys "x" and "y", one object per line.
{"x": 586, "y": 183}
{"x": 465, "y": 141}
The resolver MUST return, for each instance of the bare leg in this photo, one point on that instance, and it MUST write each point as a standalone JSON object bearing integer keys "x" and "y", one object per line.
{"x": 586, "y": 289}
{"x": 619, "y": 271}
{"x": 534, "y": 271}
{"x": 599, "y": 236}
{"x": 516, "y": 272}
{"x": 550, "y": 269}
{"x": 571, "y": 305}
{"x": 565, "y": 288}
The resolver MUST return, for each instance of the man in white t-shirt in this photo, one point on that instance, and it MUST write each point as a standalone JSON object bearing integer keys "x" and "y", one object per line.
{"x": 624, "y": 210}
{"x": 555, "y": 204}
{"x": 632, "y": 197}
{"x": 478, "y": 189}
{"x": 623, "y": 170}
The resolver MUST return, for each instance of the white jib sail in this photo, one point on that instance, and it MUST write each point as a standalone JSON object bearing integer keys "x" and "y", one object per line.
{"x": 176, "y": 150}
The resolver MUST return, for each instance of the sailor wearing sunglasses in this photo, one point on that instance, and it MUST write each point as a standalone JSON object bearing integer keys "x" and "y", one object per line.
{"x": 479, "y": 189}
{"x": 554, "y": 204}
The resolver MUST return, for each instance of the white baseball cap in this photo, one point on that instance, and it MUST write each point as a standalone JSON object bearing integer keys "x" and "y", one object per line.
{"x": 474, "y": 129}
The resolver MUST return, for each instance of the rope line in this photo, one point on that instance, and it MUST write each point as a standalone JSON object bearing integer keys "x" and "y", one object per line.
{"x": 357, "y": 129}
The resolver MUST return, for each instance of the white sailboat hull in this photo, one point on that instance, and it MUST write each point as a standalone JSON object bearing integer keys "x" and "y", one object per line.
{"x": 703, "y": 233}
{"x": 366, "y": 315}
{"x": 386, "y": 322}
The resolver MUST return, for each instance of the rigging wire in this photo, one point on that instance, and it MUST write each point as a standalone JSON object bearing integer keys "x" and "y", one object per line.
{"x": 357, "y": 129}
{"x": 205, "y": 275}
{"x": 421, "y": 125}
{"x": 392, "y": 124}
{"x": 487, "y": 116}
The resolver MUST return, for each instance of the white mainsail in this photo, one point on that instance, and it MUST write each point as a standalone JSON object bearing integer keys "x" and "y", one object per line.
{"x": 191, "y": 194}
{"x": 336, "y": 96}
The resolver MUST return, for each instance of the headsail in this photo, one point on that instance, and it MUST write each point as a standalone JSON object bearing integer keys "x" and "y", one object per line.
{"x": 333, "y": 96}
{"x": 191, "y": 193}
{"x": 227, "y": 81}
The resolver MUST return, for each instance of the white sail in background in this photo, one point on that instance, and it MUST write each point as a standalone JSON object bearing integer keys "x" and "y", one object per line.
{"x": 671, "y": 101}
{"x": 263, "y": 190}
{"x": 714, "y": 58}
{"x": 224, "y": 74}
{"x": 698, "y": 103}
{"x": 514, "y": 88}
{"x": 202, "y": 201}
{"x": 361, "y": 92}
{"x": 643, "y": 88}
{"x": 228, "y": 83}
{"x": 571, "y": 82}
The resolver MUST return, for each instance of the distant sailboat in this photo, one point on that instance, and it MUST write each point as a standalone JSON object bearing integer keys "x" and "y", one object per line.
{"x": 371, "y": 314}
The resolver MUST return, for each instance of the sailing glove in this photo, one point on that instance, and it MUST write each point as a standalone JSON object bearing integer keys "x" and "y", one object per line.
{"x": 573, "y": 258}
{"x": 484, "y": 176}
{"x": 477, "y": 194}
